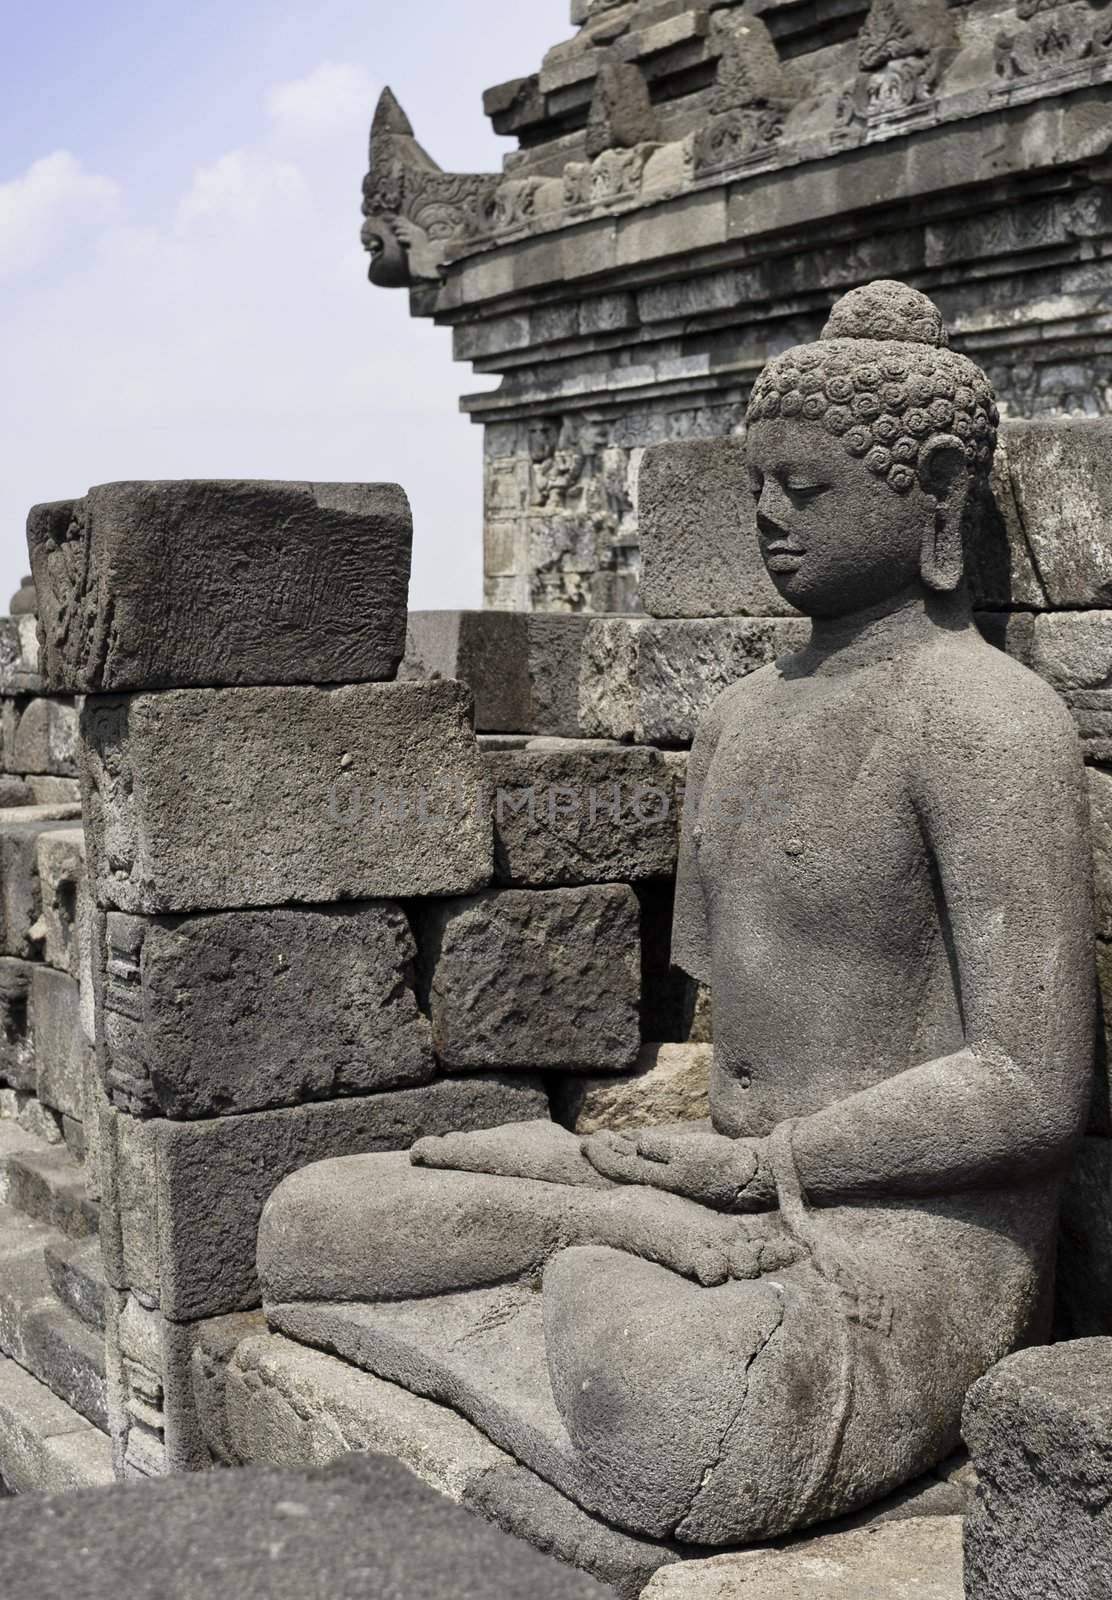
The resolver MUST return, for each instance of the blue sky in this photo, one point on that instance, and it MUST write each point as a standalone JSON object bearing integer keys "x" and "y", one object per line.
{"x": 182, "y": 292}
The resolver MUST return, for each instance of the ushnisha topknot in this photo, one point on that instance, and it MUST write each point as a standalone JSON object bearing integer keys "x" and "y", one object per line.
{"x": 883, "y": 380}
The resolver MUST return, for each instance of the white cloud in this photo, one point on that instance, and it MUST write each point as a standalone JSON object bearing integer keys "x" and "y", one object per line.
{"x": 241, "y": 186}
{"x": 334, "y": 99}
{"x": 49, "y": 208}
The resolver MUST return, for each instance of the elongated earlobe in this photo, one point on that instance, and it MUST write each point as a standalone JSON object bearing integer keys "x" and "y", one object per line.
{"x": 942, "y": 562}
{"x": 944, "y": 475}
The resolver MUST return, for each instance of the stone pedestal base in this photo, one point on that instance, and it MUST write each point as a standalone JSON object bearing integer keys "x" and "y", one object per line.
{"x": 281, "y": 1403}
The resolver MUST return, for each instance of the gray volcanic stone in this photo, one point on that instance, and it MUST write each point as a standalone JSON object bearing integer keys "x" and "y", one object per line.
{"x": 63, "y": 1056}
{"x": 166, "y": 585}
{"x": 699, "y": 551}
{"x": 650, "y": 682}
{"x": 209, "y": 1015}
{"x": 212, "y": 799}
{"x": 1039, "y": 1428}
{"x": 188, "y": 1239}
{"x": 40, "y": 736}
{"x": 1061, "y": 473}
{"x": 1100, "y": 809}
{"x": 17, "y": 1053}
{"x": 534, "y": 979}
{"x": 1085, "y": 1245}
{"x": 522, "y": 668}
{"x": 671, "y": 1084}
{"x": 916, "y": 1559}
{"x": 21, "y": 932}
{"x": 584, "y": 812}
{"x": 60, "y": 860}
{"x": 25, "y": 601}
{"x": 19, "y": 656}
{"x": 365, "y": 1526}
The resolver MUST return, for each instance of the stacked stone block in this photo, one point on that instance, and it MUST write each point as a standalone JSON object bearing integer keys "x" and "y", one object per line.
{"x": 266, "y": 810}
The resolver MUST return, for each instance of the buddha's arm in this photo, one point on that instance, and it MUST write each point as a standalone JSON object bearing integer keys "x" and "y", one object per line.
{"x": 1002, "y": 800}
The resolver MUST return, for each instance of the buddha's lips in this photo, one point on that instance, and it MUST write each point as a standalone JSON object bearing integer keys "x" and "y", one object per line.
{"x": 780, "y": 559}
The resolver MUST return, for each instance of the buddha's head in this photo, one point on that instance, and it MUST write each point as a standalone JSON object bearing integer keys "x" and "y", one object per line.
{"x": 870, "y": 453}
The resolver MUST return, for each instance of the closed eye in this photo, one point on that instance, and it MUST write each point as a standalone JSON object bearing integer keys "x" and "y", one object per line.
{"x": 804, "y": 493}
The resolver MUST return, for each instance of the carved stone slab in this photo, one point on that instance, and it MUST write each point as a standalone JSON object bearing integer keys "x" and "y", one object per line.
{"x": 213, "y": 799}
{"x": 162, "y": 585}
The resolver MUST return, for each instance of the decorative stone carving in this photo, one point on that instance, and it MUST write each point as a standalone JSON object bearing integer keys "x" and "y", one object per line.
{"x": 751, "y": 98}
{"x": 719, "y": 1333}
{"x": 622, "y": 114}
{"x": 902, "y": 50}
{"x": 1056, "y": 37}
{"x": 415, "y": 211}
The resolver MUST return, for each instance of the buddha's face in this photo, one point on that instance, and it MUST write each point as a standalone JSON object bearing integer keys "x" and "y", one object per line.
{"x": 834, "y": 537}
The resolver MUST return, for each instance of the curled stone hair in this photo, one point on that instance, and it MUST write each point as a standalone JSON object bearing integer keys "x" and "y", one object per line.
{"x": 884, "y": 381}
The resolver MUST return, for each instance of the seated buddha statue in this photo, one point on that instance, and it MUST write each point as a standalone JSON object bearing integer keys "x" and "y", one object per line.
{"x": 726, "y": 1331}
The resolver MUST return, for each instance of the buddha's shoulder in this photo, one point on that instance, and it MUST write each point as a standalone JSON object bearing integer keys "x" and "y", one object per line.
{"x": 962, "y": 688}
{"x": 737, "y": 702}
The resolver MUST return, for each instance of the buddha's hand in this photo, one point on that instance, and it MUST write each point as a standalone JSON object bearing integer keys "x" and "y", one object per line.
{"x": 727, "y": 1174}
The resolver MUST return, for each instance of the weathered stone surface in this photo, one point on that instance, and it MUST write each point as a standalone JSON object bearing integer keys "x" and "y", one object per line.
{"x": 583, "y": 812}
{"x": 17, "y": 1055}
{"x": 288, "y": 1405}
{"x": 25, "y": 602}
{"x": 19, "y": 656}
{"x": 186, "y": 1242}
{"x": 1100, "y": 1114}
{"x": 365, "y": 1525}
{"x": 40, "y": 736}
{"x": 167, "y": 585}
{"x": 1100, "y": 807}
{"x": 534, "y": 979}
{"x": 522, "y": 670}
{"x": 918, "y": 1559}
{"x": 208, "y": 799}
{"x": 45, "y": 1446}
{"x": 60, "y": 861}
{"x": 1085, "y": 1245}
{"x": 1039, "y": 1428}
{"x": 671, "y": 1084}
{"x": 77, "y": 1278}
{"x": 21, "y": 932}
{"x": 218, "y": 1014}
{"x": 649, "y": 682}
{"x": 700, "y": 555}
{"x": 46, "y": 1183}
{"x": 63, "y": 1057}
{"x": 1062, "y": 479}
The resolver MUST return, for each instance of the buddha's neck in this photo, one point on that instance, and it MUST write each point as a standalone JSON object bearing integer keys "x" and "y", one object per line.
{"x": 888, "y": 630}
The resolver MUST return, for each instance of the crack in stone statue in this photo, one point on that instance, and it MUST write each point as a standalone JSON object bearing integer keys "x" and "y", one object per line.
{"x": 747, "y": 1326}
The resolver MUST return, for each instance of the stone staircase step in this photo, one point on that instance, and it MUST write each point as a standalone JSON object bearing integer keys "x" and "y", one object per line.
{"x": 37, "y": 1331}
{"x": 76, "y": 1274}
{"x": 45, "y": 1182}
{"x": 45, "y": 1446}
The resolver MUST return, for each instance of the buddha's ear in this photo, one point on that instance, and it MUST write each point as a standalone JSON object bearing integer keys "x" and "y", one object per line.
{"x": 944, "y": 476}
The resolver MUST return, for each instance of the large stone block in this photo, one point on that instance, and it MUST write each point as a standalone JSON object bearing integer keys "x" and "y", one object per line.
{"x": 581, "y": 811}
{"x": 700, "y": 555}
{"x": 183, "y": 1199}
{"x": 212, "y": 799}
{"x": 914, "y": 1559}
{"x": 63, "y": 1057}
{"x": 21, "y": 933}
{"x": 360, "y": 1528}
{"x": 1039, "y": 1428}
{"x": 245, "y": 1010}
{"x": 1061, "y": 475}
{"x": 534, "y": 979}
{"x": 165, "y": 585}
{"x": 40, "y": 736}
{"x": 60, "y": 861}
{"x": 17, "y": 1052}
{"x": 649, "y": 682}
{"x": 1085, "y": 1245}
{"x": 521, "y": 668}
{"x": 1072, "y": 650}
{"x": 1100, "y": 811}
{"x": 19, "y": 656}
{"x": 671, "y": 1084}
